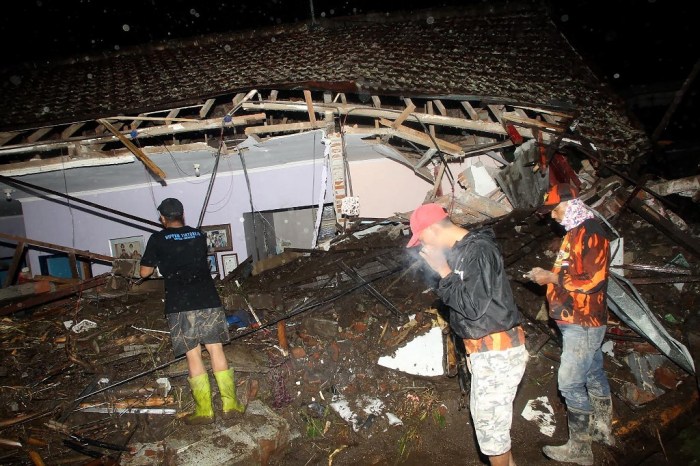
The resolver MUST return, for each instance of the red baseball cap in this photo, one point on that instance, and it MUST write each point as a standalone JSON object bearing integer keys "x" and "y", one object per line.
{"x": 558, "y": 193}
{"x": 422, "y": 218}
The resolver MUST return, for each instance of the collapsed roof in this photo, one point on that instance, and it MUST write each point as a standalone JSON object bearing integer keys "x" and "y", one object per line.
{"x": 511, "y": 54}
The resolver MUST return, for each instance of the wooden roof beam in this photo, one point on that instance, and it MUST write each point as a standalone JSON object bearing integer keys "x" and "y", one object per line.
{"x": 152, "y": 167}
{"x": 38, "y": 134}
{"x": 184, "y": 127}
{"x": 420, "y": 137}
{"x": 206, "y": 108}
{"x": 282, "y": 128}
{"x": 473, "y": 114}
{"x": 371, "y": 112}
{"x": 310, "y": 106}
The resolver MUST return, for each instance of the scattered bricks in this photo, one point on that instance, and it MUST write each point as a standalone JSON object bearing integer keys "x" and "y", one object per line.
{"x": 298, "y": 352}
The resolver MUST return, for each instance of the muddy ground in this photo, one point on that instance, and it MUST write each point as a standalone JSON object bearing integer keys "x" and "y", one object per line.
{"x": 335, "y": 345}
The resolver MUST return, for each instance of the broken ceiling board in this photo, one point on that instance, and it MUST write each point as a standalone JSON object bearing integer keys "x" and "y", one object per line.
{"x": 376, "y": 101}
{"x": 283, "y": 128}
{"x": 61, "y": 163}
{"x": 365, "y": 111}
{"x": 152, "y": 167}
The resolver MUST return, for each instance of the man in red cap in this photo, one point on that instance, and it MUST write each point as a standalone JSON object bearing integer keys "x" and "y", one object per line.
{"x": 576, "y": 293}
{"x": 474, "y": 286}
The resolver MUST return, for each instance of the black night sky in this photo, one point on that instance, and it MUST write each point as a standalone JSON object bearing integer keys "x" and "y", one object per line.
{"x": 635, "y": 46}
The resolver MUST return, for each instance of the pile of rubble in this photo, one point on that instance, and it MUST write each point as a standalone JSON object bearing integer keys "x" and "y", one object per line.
{"x": 342, "y": 353}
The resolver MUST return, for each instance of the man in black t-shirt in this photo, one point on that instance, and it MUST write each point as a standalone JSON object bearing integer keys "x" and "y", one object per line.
{"x": 193, "y": 309}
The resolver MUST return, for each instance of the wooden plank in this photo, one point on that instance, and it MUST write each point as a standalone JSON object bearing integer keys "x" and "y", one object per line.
{"x": 206, "y": 108}
{"x": 422, "y": 138}
{"x": 73, "y": 264}
{"x": 371, "y": 112}
{"x": 376, "y": 101}
{"x": 70, "y": 130}
{"x": 690, "y": 243}
{"x": 405, "y": 114}
{"x": 545, "y": 111}
{"x": 56, "y": 247}
{"x": 470, "y": 110}
{"x": 44, "y": 298}
{"x": 273, "y": 95}
{"x": 283, "y": 128}
{"x": 407, "y": 101}
{"x": 6, "y": 137}
{"x": 497, "y": 111}
{"x": 310, "y": 106}
{"x": 152, "y": 167}
{"x": 38, "y": 134}
{"x": 168, "y": 119}
{"x": 441, "y": 108}
{"x": 14, "y": 266}
{"x": 171, "y": 115}
{"x": 429, "y": 111}
{"x": 327, "y": 97}
{"x": 531, "y": 123}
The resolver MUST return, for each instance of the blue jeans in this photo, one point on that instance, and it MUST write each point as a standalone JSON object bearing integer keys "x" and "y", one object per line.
{"x": 581, "y": 370}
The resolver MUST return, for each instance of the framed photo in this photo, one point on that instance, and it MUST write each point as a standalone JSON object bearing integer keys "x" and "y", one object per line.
{"x": 128, "y": 249}
{"x": 230, "y": 262}
{"x": 213, "y": 264}
{"x": 218, "y": 237}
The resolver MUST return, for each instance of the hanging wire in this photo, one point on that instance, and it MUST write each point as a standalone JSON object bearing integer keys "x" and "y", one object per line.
{"x": 213, "y": 175}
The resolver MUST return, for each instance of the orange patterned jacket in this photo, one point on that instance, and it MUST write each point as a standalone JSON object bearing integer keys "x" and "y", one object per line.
{"x": 582, "y": 265}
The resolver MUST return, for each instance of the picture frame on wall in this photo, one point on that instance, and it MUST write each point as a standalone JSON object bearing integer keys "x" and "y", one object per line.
{"x": 229, "y": 262}
{"x": 213, "y": 264}
{"x": 218, "y": 237}
{"x": 130, "y": 249}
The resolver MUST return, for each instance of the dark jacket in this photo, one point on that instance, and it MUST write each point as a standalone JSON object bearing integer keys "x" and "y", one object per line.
{"x": 477, "y": 291}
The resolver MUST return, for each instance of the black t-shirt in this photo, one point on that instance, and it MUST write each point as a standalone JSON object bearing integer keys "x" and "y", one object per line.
{"x": 181, "y": 257}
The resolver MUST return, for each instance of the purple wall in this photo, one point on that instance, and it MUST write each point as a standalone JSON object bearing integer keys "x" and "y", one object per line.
{"x": 277, "y": 187}
{"x": 11, "y": 225}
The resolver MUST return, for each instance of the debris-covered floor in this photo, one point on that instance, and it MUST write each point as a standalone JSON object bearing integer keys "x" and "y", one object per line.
{"x": 327, "y": 374}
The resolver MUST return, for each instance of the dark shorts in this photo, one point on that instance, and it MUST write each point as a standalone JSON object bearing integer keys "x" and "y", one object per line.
{"x": 189, "y": 329}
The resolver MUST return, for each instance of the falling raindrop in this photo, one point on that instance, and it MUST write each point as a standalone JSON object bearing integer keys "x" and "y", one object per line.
{"x": 89, "y": 75}
{"x": 616, "y": 76}
{"x": 323, "y": 14}
{"x": 564, "y": 18}
{"x": 430, "y": 20}
{"x": 193, "y": 11}
{"x": 227, "y": 48}
{"x": 126, "y": 28}
{"x": 16, "y": 80}
{"x": 332, "y": 11}
{"x": 241, "y": 220}
{"x": 273, "y": 39}
{"x": 116, "y": 47}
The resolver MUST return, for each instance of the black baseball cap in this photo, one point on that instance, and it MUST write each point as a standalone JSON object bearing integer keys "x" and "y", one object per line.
{"x": 171, "y": 207}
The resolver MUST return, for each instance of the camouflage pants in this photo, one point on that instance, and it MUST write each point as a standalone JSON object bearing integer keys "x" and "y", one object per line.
{"x": 189, "y": 329}
{"x": 495, "y": 379}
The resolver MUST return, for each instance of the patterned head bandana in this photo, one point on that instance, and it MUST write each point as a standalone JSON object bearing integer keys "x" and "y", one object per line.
{"x": 576, "y": 213}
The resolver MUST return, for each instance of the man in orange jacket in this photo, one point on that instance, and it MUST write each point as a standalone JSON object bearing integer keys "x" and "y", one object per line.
{"x": 577, "y": 293}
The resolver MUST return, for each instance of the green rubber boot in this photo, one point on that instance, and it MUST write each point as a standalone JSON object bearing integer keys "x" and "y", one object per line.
{"x": 201, "y": 392}
{"x": 227, "y": 389}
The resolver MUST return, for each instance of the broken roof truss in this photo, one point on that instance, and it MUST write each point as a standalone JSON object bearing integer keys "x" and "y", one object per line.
{"x": 459, "y": 126}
